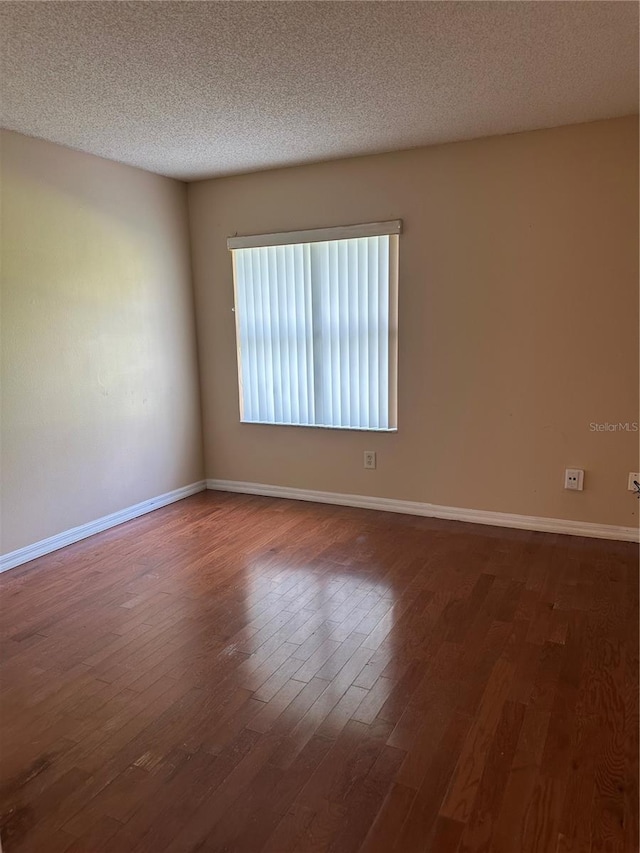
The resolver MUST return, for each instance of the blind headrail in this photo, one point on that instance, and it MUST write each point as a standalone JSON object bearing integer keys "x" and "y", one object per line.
{"x": 316, "y": 235}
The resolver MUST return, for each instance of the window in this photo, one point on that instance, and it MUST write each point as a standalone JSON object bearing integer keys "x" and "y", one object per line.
{"x": 316, "y": 326}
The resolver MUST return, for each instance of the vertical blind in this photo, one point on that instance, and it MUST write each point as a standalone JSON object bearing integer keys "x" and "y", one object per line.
{"x": 317, "y": 332}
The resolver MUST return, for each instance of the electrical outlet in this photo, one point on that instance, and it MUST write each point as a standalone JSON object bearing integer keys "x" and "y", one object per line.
{"x": 574, "y": 479}
{"x": 634, "y": 475}
{"x": 369, "y": 459}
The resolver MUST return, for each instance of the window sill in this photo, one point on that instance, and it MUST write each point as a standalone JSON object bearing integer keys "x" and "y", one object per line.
{"x": 322, "y": 426}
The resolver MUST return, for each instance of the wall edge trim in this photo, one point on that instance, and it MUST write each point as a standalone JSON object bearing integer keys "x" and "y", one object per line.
{"x": 474, "y": 516}
{"x": 76, "y": 534}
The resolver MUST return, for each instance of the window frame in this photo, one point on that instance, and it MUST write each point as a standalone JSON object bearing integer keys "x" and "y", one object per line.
{"x": 390, "y": 228}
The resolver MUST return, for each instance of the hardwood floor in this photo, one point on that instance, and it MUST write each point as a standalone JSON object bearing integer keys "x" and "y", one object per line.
{"x": 248, "y": 674}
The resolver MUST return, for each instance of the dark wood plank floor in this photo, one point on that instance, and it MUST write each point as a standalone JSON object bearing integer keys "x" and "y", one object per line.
{"x": 246, "y": 674}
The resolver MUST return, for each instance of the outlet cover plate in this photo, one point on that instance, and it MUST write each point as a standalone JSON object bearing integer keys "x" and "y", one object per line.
{"x": 574, "y": 479}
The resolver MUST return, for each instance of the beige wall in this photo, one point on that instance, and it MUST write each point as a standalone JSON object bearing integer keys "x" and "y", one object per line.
{"x": 100, "y": 404}
{"x": 518, "y": 321}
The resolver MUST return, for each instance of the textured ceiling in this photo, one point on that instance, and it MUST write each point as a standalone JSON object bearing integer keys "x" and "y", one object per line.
{"x": 198, "y": 89}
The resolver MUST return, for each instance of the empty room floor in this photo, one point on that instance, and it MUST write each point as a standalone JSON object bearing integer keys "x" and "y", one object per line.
{"x": 246, "y": 674}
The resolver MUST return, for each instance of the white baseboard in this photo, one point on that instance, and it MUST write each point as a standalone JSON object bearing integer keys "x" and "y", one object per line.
{"x": 75, "y": 534}
{"x": 475, "y": 516}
